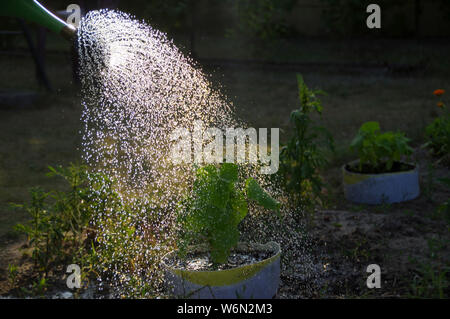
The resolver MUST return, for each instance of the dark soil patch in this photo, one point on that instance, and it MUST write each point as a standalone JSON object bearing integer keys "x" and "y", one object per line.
{"x": 379, "y": 169}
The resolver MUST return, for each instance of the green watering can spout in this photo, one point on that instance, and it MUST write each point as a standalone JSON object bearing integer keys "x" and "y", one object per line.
{"x": 33, "y": 11}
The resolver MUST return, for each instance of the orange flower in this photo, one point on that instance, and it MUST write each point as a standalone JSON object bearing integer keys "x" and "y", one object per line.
{"x": 438, "y": 92}
{"x": 440, "y": 104}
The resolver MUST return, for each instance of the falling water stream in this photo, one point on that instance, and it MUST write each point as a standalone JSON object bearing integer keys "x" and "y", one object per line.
{"x": 137, "y": 87}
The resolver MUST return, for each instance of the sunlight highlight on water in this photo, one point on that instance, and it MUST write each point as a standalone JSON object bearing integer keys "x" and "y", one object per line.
{"x": 137, "y": 87}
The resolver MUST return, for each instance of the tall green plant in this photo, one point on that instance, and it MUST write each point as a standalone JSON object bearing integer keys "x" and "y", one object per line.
{"x": 438, "y": 132}
{"x": 302, "y": 157}
{"x": 215, "y": 208}
{"x": 438, "y": 135}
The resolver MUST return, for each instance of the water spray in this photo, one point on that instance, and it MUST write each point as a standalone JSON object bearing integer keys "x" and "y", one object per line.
{"x": 33, "y": 11}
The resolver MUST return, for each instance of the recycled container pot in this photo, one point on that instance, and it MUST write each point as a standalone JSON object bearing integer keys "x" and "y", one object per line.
{"x": 381, "y": 188}
{"x": 259, "y": 280}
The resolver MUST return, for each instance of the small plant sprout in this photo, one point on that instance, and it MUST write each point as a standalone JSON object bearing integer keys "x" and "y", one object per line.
{"x": 12, "y": 274}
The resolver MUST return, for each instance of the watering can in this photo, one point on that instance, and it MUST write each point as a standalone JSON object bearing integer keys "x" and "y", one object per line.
{"x": 32, "y": 10}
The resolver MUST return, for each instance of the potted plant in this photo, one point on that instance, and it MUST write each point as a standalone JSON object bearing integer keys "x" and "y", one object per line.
{"x": 380, "y": 175}
{"x": 210, "y": 262}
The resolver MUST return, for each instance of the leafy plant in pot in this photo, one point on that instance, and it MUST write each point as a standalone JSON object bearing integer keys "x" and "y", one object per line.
{"x": 379, "y": 175}
{"x": 209, "y": 234}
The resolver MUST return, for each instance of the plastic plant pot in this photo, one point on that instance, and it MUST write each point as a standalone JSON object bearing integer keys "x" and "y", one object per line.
{"x": 259, "y": 280}
{"x": 383, "y": 188}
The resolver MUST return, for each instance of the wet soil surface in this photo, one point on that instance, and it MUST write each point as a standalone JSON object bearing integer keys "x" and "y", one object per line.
{"x": 380, "y": 169}
{"x": 203, "y": 262}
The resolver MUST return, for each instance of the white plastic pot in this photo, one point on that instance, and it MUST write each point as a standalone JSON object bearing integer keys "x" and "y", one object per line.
{"x": 259, "y": 280}
{"x": 381, "y": 188}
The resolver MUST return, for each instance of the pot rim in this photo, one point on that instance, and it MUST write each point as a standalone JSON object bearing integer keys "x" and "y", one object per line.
{"x": 414, "y": 169}
{"x": 272, "y": 245}
{"x": 226, "y": 276}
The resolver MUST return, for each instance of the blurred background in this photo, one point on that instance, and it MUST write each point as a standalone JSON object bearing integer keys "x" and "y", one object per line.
{"x": 251, "y": 50}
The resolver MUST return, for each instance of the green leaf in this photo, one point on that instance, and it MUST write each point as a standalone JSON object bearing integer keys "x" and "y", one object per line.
{"x": 370, "y": 127}
{"x": 259, "y": 195}
{"x": 357, "y": 141}
{"x": 229, "y": 172}
{"x": 240, "y": 206}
